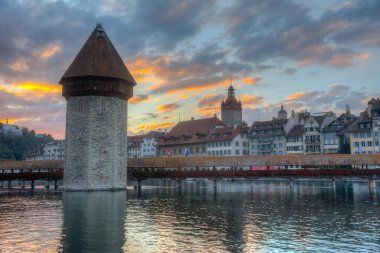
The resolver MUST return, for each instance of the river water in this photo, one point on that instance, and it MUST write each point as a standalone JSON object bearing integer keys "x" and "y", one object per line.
{"x": 237, "y": 216}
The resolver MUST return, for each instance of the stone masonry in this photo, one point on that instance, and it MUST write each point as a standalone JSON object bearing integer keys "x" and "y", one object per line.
{"x": 96, "y": 132}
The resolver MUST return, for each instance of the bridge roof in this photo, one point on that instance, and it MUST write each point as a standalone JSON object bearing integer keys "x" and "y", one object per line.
{"x": 210, "y": 161}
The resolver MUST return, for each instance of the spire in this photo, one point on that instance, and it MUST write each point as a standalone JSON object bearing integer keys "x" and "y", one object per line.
{"x": 98, "y": 58}
{"x": 282, "y": 106}
{"x": 6, "y": 122}
{"x": 231, "y": 91}
{"x": 348, "y": 110}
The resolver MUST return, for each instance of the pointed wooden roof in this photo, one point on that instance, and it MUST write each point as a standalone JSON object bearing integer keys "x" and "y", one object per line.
{"x": 98, "y": 57}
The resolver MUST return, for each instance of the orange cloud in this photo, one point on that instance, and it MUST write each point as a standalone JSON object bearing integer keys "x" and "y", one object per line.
{"x": 167, "y": 76}
{"x": 150, "y": 127}
{"x": 341, "y": 61}
{"x": 138, "y": 99}
{"x": 49, "y": 51}
{"x": 19, "y": 66}
{"x": 206, "y": 111}
{"x": 252, "y": 80}
{"x": 167, "y": 107}
{"x": 31, "y": 89}
{"x": 363, "y": 56}
{"x": 210, "y": 100}
{"x": 306, "y": 61}
{"x": 251, "y": 100}
{"x": 296, "y": 96}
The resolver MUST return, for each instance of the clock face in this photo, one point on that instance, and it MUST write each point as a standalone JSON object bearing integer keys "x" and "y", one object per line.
{"x": 237, "y": 115}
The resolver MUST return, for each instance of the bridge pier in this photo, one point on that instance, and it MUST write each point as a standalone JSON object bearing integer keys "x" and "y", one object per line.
{"x": 215, "y": 183}
{"x": 47, "y": 184}
{"x": 372, "y": 185}
{"x": 138, "y": 186}
{"x": 23, "y": 184}
{"x": 179, "y": 183}
{"x": 55, "y": 184}
{"x": 333, "y": 184}
{"x": 9, "y": 184}
{"x": 291, "y": 183}
{"x": 32, "y": 185}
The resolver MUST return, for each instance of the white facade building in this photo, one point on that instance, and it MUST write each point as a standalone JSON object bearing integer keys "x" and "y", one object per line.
{"x": 228, "y": 141}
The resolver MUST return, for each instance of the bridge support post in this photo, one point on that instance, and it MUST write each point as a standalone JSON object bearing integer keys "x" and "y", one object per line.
{"x": 2, "y": 184}
{"x": 179, "y": 183}
{"x": 9, "y": 184}
{"x": 32, "y": 184}
{"x": 23, "y": 184}
{"x": 55, "y": 184}
{"x": 291, "y": 183}
{"x": 215, "y": 183}
{"x": 372, "y": 185}
{"x": 138, "y": 184}
{"x": 47, "y": 184}
{"x": 333, "y": 183}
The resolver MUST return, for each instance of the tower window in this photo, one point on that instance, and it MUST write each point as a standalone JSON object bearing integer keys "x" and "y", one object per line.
{"x": 80, "y": 104}
{"x": 103, "y": 105}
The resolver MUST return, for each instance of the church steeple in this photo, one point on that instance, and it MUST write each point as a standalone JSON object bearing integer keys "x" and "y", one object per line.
{"x": 231, "y": 91}
{"x": 231, "y": 109}
{"x": 282, "y": 114}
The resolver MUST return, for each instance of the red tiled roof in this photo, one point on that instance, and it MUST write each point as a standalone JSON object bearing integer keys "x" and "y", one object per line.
{"x": 226, "y": 133}
{"x": 191, "y": 131}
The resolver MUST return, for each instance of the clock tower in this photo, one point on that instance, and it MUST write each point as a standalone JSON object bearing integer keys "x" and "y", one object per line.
{"x": 231, "y": 109}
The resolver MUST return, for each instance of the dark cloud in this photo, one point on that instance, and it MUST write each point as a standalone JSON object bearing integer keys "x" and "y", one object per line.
{"x": 274, "y": 29}
{"x": 289, "y": 71}
{"x": 152, "y": 115}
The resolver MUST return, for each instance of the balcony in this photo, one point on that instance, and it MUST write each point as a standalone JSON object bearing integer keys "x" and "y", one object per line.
{"x": 313, "y": 141}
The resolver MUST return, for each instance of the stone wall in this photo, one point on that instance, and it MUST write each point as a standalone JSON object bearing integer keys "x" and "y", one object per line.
{"x": 96, "y": 143}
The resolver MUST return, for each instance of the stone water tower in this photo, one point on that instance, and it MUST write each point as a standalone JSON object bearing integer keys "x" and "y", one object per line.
{"x": 97, "y": 86}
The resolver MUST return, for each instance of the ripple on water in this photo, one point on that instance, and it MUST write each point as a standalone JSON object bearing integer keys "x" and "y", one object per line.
{"x": 270, "y": 217}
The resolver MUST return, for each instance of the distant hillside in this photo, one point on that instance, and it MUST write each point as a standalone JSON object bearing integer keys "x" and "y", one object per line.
{"x": 13, "y": 146}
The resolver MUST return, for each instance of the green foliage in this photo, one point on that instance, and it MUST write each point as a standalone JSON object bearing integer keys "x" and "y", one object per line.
{"x": 14, "y": 146}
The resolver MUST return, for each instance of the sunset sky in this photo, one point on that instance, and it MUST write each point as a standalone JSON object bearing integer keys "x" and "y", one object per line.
{"x": 316, "y": 55}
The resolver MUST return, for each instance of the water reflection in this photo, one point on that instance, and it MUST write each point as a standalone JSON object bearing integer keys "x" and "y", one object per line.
{"x": 248, "y": 217}
{"x": 240, "y": 216}
{"x": 30, "y": 222}
{"x": 93, "y": 221}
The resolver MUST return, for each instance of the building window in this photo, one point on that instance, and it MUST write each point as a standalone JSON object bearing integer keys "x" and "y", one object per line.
{"x": 369, "y": 143}
{"x": 363, "y": 143}
{"x": 369, "y": 134}
{"x": 237, "y": 152}
{"x": 237, "y": 144}
{"x": 203, "y": 149}
{"x": 197, "y": 149}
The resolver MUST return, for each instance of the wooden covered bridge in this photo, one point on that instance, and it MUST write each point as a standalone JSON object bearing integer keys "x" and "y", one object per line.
{"x": 333, "y": 166}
